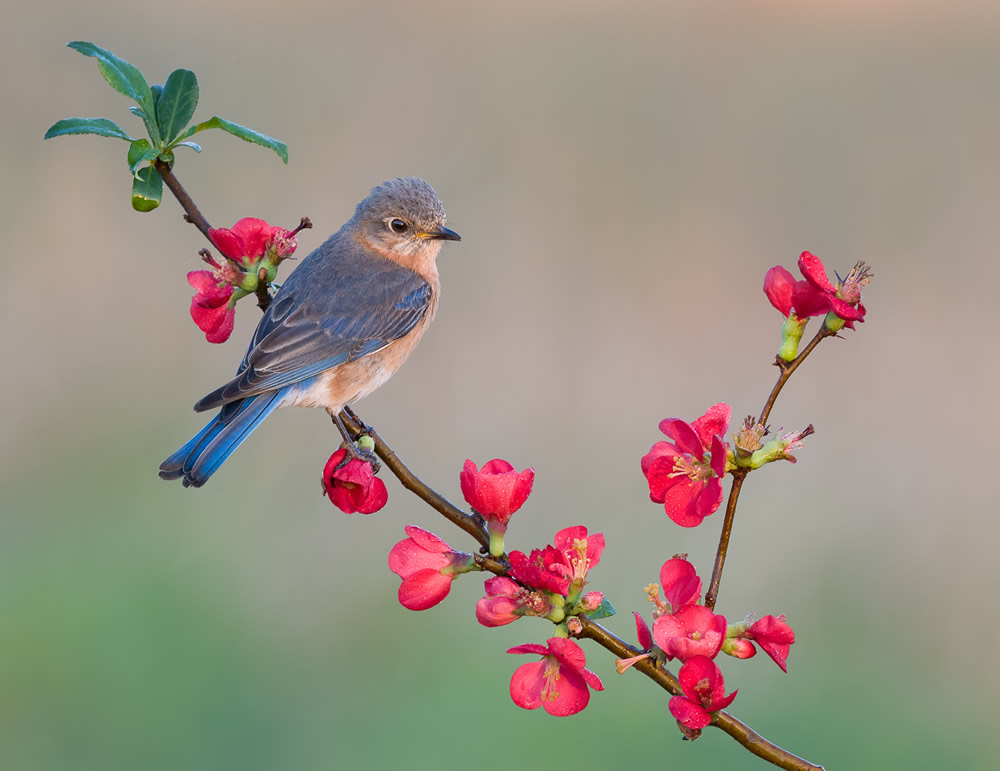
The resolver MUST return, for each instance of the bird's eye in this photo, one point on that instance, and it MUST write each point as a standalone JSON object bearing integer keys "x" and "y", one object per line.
{"x": 398, "y": 226}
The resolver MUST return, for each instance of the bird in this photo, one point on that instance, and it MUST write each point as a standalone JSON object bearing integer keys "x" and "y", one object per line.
{"x": 339, "y": 326}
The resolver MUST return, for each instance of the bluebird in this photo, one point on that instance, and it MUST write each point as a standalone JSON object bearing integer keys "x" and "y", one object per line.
{"x": 342, "y": 323}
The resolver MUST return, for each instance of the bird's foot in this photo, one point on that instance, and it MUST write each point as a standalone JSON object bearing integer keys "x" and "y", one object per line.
{"x": 365, "y": 452}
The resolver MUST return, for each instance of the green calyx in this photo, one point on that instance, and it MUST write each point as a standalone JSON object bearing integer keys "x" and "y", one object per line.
{"x": 791, "y": 334}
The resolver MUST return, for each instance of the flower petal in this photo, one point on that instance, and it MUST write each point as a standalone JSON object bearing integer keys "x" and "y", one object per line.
{"x": 714, "y": 422}
{"x": 526, "y": 683}
{"x": 812, "y": 269}
{"x": 689, "y": 713}
{"x": 424, "y": 589}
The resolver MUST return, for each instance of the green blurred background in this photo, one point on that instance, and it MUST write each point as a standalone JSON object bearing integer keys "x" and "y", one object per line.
{"x": 622, "y": 179}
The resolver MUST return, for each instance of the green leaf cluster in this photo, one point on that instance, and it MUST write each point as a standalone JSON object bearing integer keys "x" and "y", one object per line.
{"x": 165, "y": 111}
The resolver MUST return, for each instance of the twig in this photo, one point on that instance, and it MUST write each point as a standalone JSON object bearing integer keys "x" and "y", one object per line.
{"x": 739, "y": 474}
{"x": 742, "y": 733}
{"x": 191, "y": 212}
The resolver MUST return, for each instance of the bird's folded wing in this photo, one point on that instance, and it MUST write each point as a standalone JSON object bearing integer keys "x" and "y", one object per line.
{"x": 342, "y": 313}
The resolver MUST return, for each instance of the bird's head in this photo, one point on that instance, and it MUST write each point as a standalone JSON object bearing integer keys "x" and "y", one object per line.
{"x": 404, "y": 220}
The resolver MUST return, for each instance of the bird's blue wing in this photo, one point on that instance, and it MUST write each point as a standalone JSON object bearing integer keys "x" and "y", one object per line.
{"x": 339, "y": 305}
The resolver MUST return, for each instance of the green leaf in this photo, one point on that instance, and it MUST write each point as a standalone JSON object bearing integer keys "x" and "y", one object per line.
{"x": 151, "y": 126}
{"x": 100, "y": 126}
{"x": 193, "y": 145}
{"x": 176, "y": 103}
{"x": 147, "y": 189}
{"x": 123, "y": 77}
{"x": 604, "y": 610}
{"x": 244, "y": 133}
{"x": 139, "y": 152}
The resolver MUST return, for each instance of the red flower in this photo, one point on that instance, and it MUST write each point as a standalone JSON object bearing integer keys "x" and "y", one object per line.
{"x": 704, "y": 693}
{"x": 353, "y": 486}
{"x": 506, "y": 601}
{"x": 816, "y": 295}
{"x": 686, "y": 476}
{"x": 775, "y": 637}
{"x": 580, "y": 553}
{"x": 692, "y": 631}
{"x": 845, "y": 299}
{"x": 248, "y": 240}
{"x": 496, "y": 491}
{"x": 542, "y": 569}
{"x": 427, "y": 566}
{"x": 210, "y": 307}
{"x": 681, "y": 585}
{"x": 558, "y": 683}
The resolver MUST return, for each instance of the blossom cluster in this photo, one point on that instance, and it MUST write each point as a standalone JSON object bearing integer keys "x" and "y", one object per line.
{"x": 252, "y": 251}
{"x": 684, "y": 474}
{"x": 695, "y": 635}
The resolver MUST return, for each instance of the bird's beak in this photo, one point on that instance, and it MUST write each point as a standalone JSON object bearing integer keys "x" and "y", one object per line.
{"x": 441, "y": 234}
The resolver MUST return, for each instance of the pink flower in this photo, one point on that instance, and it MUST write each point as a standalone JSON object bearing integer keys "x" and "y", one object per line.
{"x": 686, "y": 476}
{"x": 249, "y": 239}
{"x": 427, "y": 566}
{"x": 563, "y": 568}
{"x": 775, "y": 637}
{"x": 844, "y": 300}
{"x": 210, "y": 307}
{"x": 692, "y": 631}
{"x": 681, "y": 585}
{"x": 580, "y": 553}
{"x": 504, "y": 602}
{"x": 704, "y": 693}
{"x": 496, "y": 491}
{"x": 353, "y": 486}
{"x": 558, "y": 683}
{"x": 816, "y": 295}
{"x": 542, "y": 569}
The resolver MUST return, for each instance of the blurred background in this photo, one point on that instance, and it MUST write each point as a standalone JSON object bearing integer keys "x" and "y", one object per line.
{"x": 622, "y": 180}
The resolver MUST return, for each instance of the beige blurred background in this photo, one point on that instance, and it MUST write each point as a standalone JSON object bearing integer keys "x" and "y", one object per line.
{"x": 622, "y": 179}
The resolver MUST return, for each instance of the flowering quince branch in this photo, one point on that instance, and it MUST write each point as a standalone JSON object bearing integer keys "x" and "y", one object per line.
{"x": 797, "y": 300}
{"x": 685, "y": 474}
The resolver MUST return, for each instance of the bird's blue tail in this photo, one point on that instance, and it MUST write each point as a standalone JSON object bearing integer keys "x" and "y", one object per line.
{"x": 197, "y": 460}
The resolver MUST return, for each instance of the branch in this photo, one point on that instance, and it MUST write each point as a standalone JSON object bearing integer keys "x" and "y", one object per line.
{"x": 787, "y": 368}
{"x": 727, "y": 530}
{"x": 191, "y": 212}
{"x": 474, "y": 526}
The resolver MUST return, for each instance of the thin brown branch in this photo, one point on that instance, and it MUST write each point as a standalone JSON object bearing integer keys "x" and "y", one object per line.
{"x": 739, "y": 474}
{"x": 472, "y": 525}
{"x": 727, "y": 530}
{"x": 787, "y": 368}
{"x": 191, "y": 212}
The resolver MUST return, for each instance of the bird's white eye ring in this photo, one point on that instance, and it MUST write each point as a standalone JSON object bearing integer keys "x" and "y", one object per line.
{"x": 398, "y": 226}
